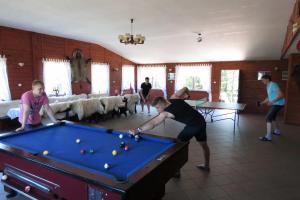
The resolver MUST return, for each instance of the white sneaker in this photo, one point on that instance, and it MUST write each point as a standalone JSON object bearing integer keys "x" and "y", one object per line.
{"x": 277, "y": 132}
{"x": 265, "y": 139}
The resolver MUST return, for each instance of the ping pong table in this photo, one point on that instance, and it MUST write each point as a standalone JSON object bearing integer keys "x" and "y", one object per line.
{"x": 208, "y": 109}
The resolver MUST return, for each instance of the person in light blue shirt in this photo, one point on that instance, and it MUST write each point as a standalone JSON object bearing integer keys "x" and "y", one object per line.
{"x": 276, "y": 101}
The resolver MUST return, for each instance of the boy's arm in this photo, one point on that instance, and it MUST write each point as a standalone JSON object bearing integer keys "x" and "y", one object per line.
{"x": 150, "y": 124}
{"x": 50, "y": 113}
{"x": 181, "y": 94}
{"x": 266, "y": 100}
{"x": 141, "y": 94}
{"x": 25, "y": 114}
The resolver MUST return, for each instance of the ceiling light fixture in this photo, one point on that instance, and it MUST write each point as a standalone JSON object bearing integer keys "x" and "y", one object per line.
{"x": 129, "y": 38}
{"x": 199, "y": 38}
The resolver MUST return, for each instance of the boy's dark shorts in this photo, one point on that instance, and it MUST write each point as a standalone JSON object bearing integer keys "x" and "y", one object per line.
{"x": 272, "y": 114}
{"x": 199, "y": 132}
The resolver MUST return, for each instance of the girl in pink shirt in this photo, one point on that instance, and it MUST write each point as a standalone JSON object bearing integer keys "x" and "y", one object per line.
{"x": 31, "y": 103}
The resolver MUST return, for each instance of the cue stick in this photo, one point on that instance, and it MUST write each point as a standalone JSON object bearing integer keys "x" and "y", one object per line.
{"x": 145, "y": 123}
{"x": 148, "y": 120}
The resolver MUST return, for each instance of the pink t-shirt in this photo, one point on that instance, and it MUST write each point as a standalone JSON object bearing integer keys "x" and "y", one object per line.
{"x": 35, "y": 104}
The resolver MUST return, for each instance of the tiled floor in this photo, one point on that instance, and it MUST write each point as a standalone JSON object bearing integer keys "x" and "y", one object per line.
{"x": 242, "y": 167}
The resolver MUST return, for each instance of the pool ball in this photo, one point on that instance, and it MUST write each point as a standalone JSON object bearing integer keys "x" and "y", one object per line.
{"x": 126, "y": 147}
{"x": 122, "y": 144}
{"x": 45, "y": 153}
{"x": 4, "y": 178}
{"x": 82, "y": 151}
{"x": 114, "y": 152}
{"x": 77, "y": 141}
{"x": 121, "y": 136}
{"x": 91, "y": 151}
{"x": 27, "y": 189}
{"x": 106, "y": 166}
{"x": 137, "y": 138}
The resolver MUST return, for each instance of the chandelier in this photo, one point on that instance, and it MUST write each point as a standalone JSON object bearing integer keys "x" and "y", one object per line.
{"x": 129, "y": 38}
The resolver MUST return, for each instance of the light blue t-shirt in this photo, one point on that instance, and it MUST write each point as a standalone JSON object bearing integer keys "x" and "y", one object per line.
{"x": 272, "y": 90}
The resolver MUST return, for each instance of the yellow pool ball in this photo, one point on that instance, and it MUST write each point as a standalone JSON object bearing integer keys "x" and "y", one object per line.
{"x": 114, "y": 152}
{"x": 45, "y": 153}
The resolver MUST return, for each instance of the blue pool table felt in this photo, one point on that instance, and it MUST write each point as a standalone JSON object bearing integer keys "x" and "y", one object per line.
{"x": 60, "y": 142}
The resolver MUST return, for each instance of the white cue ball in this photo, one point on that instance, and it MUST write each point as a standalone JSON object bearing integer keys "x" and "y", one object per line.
{"x": 77, "y": 141}
{"x": 121, "y": 136}
{"x": 4, "y": 178}
{"x": 106, "y": 166}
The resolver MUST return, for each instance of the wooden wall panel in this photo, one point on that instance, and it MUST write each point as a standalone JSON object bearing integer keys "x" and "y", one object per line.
{"x": 37, "y": 55}
{"x": 16, "y": 39}
{"x": 292, "y": 111}
{"x": 53, "y": 47}
{"x": 97, "y": 53}
{"x": 115, "y": 63}
{"x": 30, "y": 48}
{"x": 251, "y": 90}
{"x": 16, "y": 46}
{"x": 71, "y": 45}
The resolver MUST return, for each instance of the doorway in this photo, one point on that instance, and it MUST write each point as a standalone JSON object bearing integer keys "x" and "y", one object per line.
{"x": 229, "y": 87}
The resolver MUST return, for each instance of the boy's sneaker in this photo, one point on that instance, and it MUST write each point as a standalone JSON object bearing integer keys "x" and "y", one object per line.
{"x": 277, "y": 132}
{"x": 264, "y": 139}
{"x": 203, "y": 167}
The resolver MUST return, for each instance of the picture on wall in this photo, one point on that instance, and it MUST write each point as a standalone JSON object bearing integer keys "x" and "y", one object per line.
{"x": 284, "y": 75}
{"x": 171, "y": 76}
{"x": 262, "y": 73}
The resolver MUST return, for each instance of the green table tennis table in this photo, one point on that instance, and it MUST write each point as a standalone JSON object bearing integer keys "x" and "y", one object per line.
{"x": 208, "y": 109}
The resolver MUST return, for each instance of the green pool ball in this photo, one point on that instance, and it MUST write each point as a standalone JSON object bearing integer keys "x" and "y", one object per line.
{"x": 91, "y": 151}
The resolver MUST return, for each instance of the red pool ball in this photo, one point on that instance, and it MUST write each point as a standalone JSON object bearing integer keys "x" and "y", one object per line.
{"x": 126, "y": 147}
{"x": 27, "y": 189}
{"x": 82, "y": 151}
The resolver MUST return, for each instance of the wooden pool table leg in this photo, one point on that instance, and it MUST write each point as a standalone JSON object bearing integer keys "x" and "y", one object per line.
{"x": 11, "y": 193}
{"x": 160, "y": 193}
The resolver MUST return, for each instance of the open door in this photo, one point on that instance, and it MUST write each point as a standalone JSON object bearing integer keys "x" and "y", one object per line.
{"x": 229, "y": 87}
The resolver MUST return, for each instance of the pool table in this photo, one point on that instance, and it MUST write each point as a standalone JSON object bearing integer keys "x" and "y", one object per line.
{"x": 140, "y": 172}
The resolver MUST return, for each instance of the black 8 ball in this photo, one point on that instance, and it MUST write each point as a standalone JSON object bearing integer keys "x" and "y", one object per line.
{"x": 122, "y": 144}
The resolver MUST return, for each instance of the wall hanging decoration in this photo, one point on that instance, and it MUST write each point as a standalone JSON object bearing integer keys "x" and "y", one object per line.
{"x": 79, "y": 66}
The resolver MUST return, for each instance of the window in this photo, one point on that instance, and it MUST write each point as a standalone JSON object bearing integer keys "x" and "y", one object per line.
{"x": 100, "y": 78}
{"x": 4, "y": 92}
{"x": 57, "y": 77}
{"x": 195, "y": 77}
{"x": 128, "y": 77}
{"x": 156, "y": 74}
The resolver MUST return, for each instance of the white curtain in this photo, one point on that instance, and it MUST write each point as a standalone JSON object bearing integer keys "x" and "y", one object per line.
{"x": 195, "y": 77}
{"x": 156, "y": 74}
{"x": 57, "y": 75}
{"x": 100, "y": 78}
{"x": 4, "y": 86}
{"x": 128, "y": 80}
